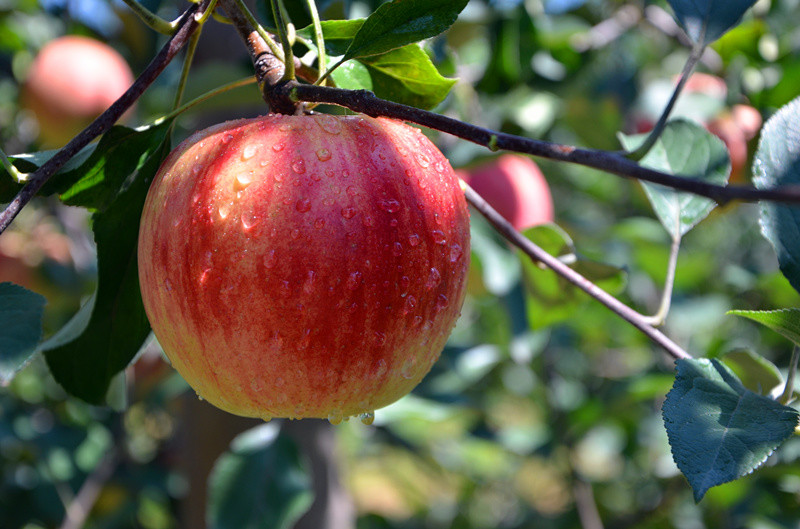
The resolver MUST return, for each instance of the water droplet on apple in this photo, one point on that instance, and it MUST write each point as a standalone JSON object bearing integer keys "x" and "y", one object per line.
{"x": 323, "y": 155}
{"x": 352, "y": 191}
{"x": 266, "y": 418}
{"x": 224, "y": 210}
{"x": 434, "y": 278}
{"x": 380, "y": 338}
{"x": 168, "y": 285}
{"x": 405, "y": 282}
{"x": 311, "y": 279}
{"x": 407, "y": 369}
{"x": 204, "y": 276}
{"x": 416, "y": 321}
{"x": 411, "y": 303}
{"x": 327, "y": 201}
{"x": 227, "y": 139}
{"x": 305, "y": 341}
{"x": 397, "y": 249}
{"x": 367, "y": 418}
{"x": 382, "y": 368}
{"x": 423, "y": 160}
{"x": 295, "y": 234}
{"x": 256, "y": 385}
{"x": 281, "y": 398}
{"x": 348, "y": 212}
{"x": 329, "y": 123}
{"x": 243, "y": 180}
{"x": 368, "y": 221}
{"x": 439, "y": 237}
{"x": 249, "y": 220}
{"x": 269, "y": 259}
{"x": 335, "y": 417}
{"x": 354, "y": 280}
{"x": 303, "y": 205}
{"x": 200, "y": 397}
{"x": 249, "y": 151}
{"x": 286, "y": 289}
{"x": 278, "y": 146}
{"x": 319, "y": 223}
{"x": 441, "y": 303}
{"x": 455, "y": 253}
{"x": 278, "y": 177}
{"x": 413, "y": 239}
{"x": 299, "y": 166}
{"x": 393, "y": 223}
{"x": 389, "y": 205}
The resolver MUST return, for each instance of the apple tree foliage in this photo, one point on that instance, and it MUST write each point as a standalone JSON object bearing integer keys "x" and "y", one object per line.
{"x": 545, "y": 408}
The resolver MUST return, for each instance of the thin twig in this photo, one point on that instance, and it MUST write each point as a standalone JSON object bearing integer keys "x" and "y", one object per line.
{"x": 365, "y": 102}
{"x": 660, "y": 316}
{"x": 81, "y": 505}
{"x": 186, "y": 26}
{"x": 539, "y": 255}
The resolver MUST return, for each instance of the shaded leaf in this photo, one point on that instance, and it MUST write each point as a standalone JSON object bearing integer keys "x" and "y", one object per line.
{"x": 707, "y": 20}
{"x": 109, "y": 330}
{"x": 21, "y": 313}
{"x": 260, "y": 483}
{"x": 719, "y": 430}
{"x": 754, "y": 371}
{"x": 777, "y": 163}
{"x": 784, "y": 321}
{"x": 401, "y": 22}
{"x": 685, "y": 148}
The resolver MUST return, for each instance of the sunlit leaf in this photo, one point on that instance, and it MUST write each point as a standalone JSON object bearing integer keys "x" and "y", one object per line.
{"x": 784, "y": 321}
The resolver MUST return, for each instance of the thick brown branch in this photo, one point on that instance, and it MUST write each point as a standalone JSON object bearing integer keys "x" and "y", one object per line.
{"x": 186, "y": 26}
{"x": 365, "y": 102}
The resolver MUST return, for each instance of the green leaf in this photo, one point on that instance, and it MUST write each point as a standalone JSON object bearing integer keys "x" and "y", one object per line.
{"x": 719, "y": 430}
{"x": 784, "y": 321}
{"x": 29, "y": 162}
{"x": 338, "y": 34}
{"x": 109, "y": 330}
{"x": 777, "y": 163}
{"x": 353, "y": 75}
{"x": 707, "y": 20}
{"x": 401, "y": 22}
{"x": 21, "y": 313}
{"x": 260, "y": 483}
{"x": 755, "y": 372}
{"x": 549, "y": 298}
{"x": 684, "y": 148}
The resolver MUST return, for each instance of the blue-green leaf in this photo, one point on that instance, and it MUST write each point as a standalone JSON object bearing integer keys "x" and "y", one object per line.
{"x": 687, "y": 149}
{"x": 21, "y": 313}
{"x": 707, "y": 20}
{"x": 777, "y": 163}
{"x": 261, "y": 483}
{"x": 719, "y": 430}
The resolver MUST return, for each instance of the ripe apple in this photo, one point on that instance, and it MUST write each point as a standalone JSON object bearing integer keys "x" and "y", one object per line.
{"x": 72, "y": 80}
{"x": 304, "y": 266}
{"x": 514, "y": 186}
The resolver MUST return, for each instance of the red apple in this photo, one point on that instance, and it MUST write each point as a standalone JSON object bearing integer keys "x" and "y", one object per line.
{"x": 304, "y": 266}
{"x": 73, "y": 80}
{"x": 514, "y": 186}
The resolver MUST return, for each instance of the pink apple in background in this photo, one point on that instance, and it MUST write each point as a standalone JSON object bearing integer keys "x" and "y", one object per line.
{"x": 514, "y": 186}
{"x": 71, "y": 81}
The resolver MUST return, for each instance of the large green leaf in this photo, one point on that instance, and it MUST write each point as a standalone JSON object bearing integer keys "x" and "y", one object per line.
{"x": 777, "y": 163}
{"x": 405, "y": 75}
{"x": 401, "y": 22}
{"x": 719, "y": 430}
{"x": 707, "y": 20}
{"x": 109, "y": 330}
{"x": 261, "y": 483}
{"x": 687, "y": 149}
{"x": 21, "y": 313}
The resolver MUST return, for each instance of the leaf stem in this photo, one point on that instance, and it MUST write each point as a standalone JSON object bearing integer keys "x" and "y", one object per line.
{"x": 660, "y": 316}
{"x": 278, "y": 13}
{"x": 152, "y": 20}
{"x": 319, "y": 38}
{"x": 187, "y": 63}
{"x": 13, "y": 171}
{"x": 204, "y": 97}
{"x": 651, "y": 139}
{"x": 788, "y": 390}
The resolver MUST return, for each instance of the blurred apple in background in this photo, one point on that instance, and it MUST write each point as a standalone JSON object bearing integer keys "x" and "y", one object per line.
{"x": 514, "y": 186}
{"x": 71, "y": 81}
{"x": 704, "y": 100}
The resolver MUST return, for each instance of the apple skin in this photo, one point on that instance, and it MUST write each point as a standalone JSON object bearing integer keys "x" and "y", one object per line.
{"x": 514, "y": 186}
{"x": 304, "y": 266}
{"x": 72, "y": 80}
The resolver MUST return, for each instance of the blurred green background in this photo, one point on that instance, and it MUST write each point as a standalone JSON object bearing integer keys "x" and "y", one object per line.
{"x": 541, "y": 412}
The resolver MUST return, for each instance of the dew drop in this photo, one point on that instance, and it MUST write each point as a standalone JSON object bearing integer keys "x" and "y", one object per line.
{"x": 351, "y": 191}
{"x": 393, "y": 223}
{"x": 441, "y": 303}
{"x": 382, "y": 368}
{"x": 168, "y": 285}
{"x": 295, "y": 234}
{"x": 413, "y": 239}
{"x": 303, "y": 205}
{"x": 266, "y": 418}
{"x": 227, "y": 139}
{"x": 329, "y": 123}
{"x": 249, "y": 151}
{"x": 422, "y": 160}
{"x": 389, "y": 205}
{"x": 269, "y": 259}
{"x": 305, "y": 341}
{"x": 455, "y": 253}
{"x": 278, "y": 177}
{"x": 204, "y": 276}
{"x": 224, "y": 210}
{"x": 411, "y": 303}
{"x": 407, "y": 370}
{"x": 249, "y": 220}
{"x": 405, "y": 282}
{"x": 278, "y": 146}
{"x": 299, "y": 166}
{"x": 311, "y": 279}
{"x": 335, "y": 416}
{"x": 319, "y": 223}
{"x": 439, "y": 237}
{"x": 434, "y": 278}
{"x": 367, "y": 418}
{"x": 397, "y": 249}
{"x": 286, "y": 289}
{"x": 368, "y": 221}
{"x": 348, "y": 212}
{"x": 243, "y": 180}
{"x": 323, "y": 155}
{"x": 417, "y": 321}
{"x": 327, "y": 201}
{"x": 354, "y": 280}
{"x": 256, "y": 385}
{"x": 380, "y": 338}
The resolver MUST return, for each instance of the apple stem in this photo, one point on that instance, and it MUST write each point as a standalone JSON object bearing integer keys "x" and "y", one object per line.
{"x": 537, "y": 254}
{"x": 186, "y": 26}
